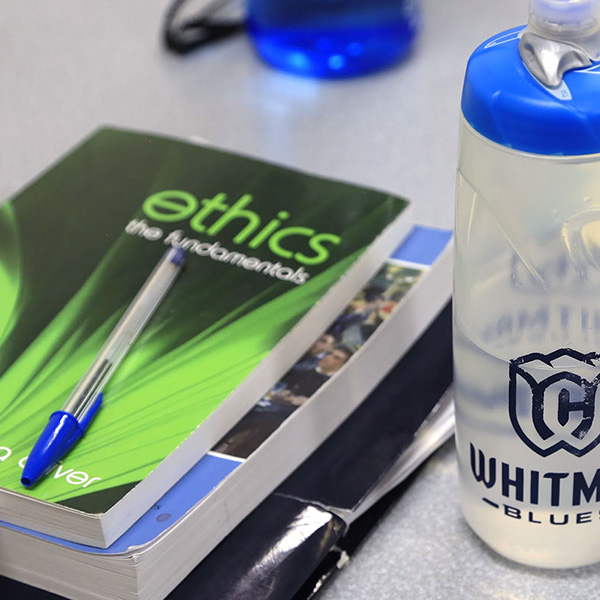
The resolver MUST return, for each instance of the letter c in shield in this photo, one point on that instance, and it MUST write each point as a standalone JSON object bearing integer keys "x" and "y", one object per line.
{"x": 553, "y": 401}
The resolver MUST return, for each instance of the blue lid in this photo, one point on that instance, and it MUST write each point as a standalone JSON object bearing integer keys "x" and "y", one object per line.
{"x": 506, "y": 104}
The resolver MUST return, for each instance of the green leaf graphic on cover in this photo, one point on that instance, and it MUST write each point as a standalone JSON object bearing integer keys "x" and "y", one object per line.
{"x": 154, "y": 400}
{"x": 9, "y": 269}
{"x": 68, "y": 271}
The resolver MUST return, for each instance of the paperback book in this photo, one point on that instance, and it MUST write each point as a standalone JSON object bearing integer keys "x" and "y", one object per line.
{"x": 379, "y": 330}
{"x": 271, "y": 256}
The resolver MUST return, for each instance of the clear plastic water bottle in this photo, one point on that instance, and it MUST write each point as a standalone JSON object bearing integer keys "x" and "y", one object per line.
{"x": 527, "y": 288}
{"x": 333, "y": 38}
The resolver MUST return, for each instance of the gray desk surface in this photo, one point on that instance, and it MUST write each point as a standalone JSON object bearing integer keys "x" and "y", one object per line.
{"x": 68, "y": 66}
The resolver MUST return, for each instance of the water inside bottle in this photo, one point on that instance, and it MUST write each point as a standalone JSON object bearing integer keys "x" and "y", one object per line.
{"x": 332, "y": 38}
{"x": 526, "y": 344}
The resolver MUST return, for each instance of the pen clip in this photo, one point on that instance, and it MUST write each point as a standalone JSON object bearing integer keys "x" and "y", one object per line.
{"x": 85, "y": 421}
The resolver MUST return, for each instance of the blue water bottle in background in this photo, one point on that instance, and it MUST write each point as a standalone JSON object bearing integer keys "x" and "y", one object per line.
{"x": 333, "y": 38}
{"x": 527, "y": 288}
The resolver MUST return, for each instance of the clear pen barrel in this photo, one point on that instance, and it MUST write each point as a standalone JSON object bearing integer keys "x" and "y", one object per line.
{"x": 125, "y": 333}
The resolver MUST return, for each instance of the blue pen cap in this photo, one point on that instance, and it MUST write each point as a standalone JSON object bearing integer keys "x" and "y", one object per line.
{"x": 505, "y": 103}
{"x": 61, "y": 433}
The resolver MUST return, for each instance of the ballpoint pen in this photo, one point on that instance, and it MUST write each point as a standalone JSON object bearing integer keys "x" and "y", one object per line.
{"x": 67, "y": 425}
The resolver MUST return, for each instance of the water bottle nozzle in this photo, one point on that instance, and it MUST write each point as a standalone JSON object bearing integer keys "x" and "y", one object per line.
{"x": 561, "y": 35}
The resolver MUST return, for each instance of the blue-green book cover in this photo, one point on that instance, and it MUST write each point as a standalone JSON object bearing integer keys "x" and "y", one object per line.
{"x": 269, "y": 250}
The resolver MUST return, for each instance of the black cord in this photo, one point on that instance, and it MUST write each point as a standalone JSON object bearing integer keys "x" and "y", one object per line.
{"x": 199, "y": 30}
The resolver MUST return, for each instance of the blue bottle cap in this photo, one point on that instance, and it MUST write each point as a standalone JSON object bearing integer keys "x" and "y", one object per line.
{"x": 506, "y": 104}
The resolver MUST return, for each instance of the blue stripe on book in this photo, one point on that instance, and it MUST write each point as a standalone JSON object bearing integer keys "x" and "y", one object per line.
{"x": 190, "y": 489}
{"x": 423, "y": 245}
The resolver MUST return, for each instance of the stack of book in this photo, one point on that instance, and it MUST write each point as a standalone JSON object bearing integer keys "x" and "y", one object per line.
{"x": 300, "y": 298}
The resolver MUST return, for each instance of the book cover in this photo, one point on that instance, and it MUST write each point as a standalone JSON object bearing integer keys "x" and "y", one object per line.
{"x": 265, "y": 245}
{"x": 359, "y": 453}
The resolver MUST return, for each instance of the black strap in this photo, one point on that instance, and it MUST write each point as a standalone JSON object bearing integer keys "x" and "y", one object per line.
{"x": 183, "y": 35}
